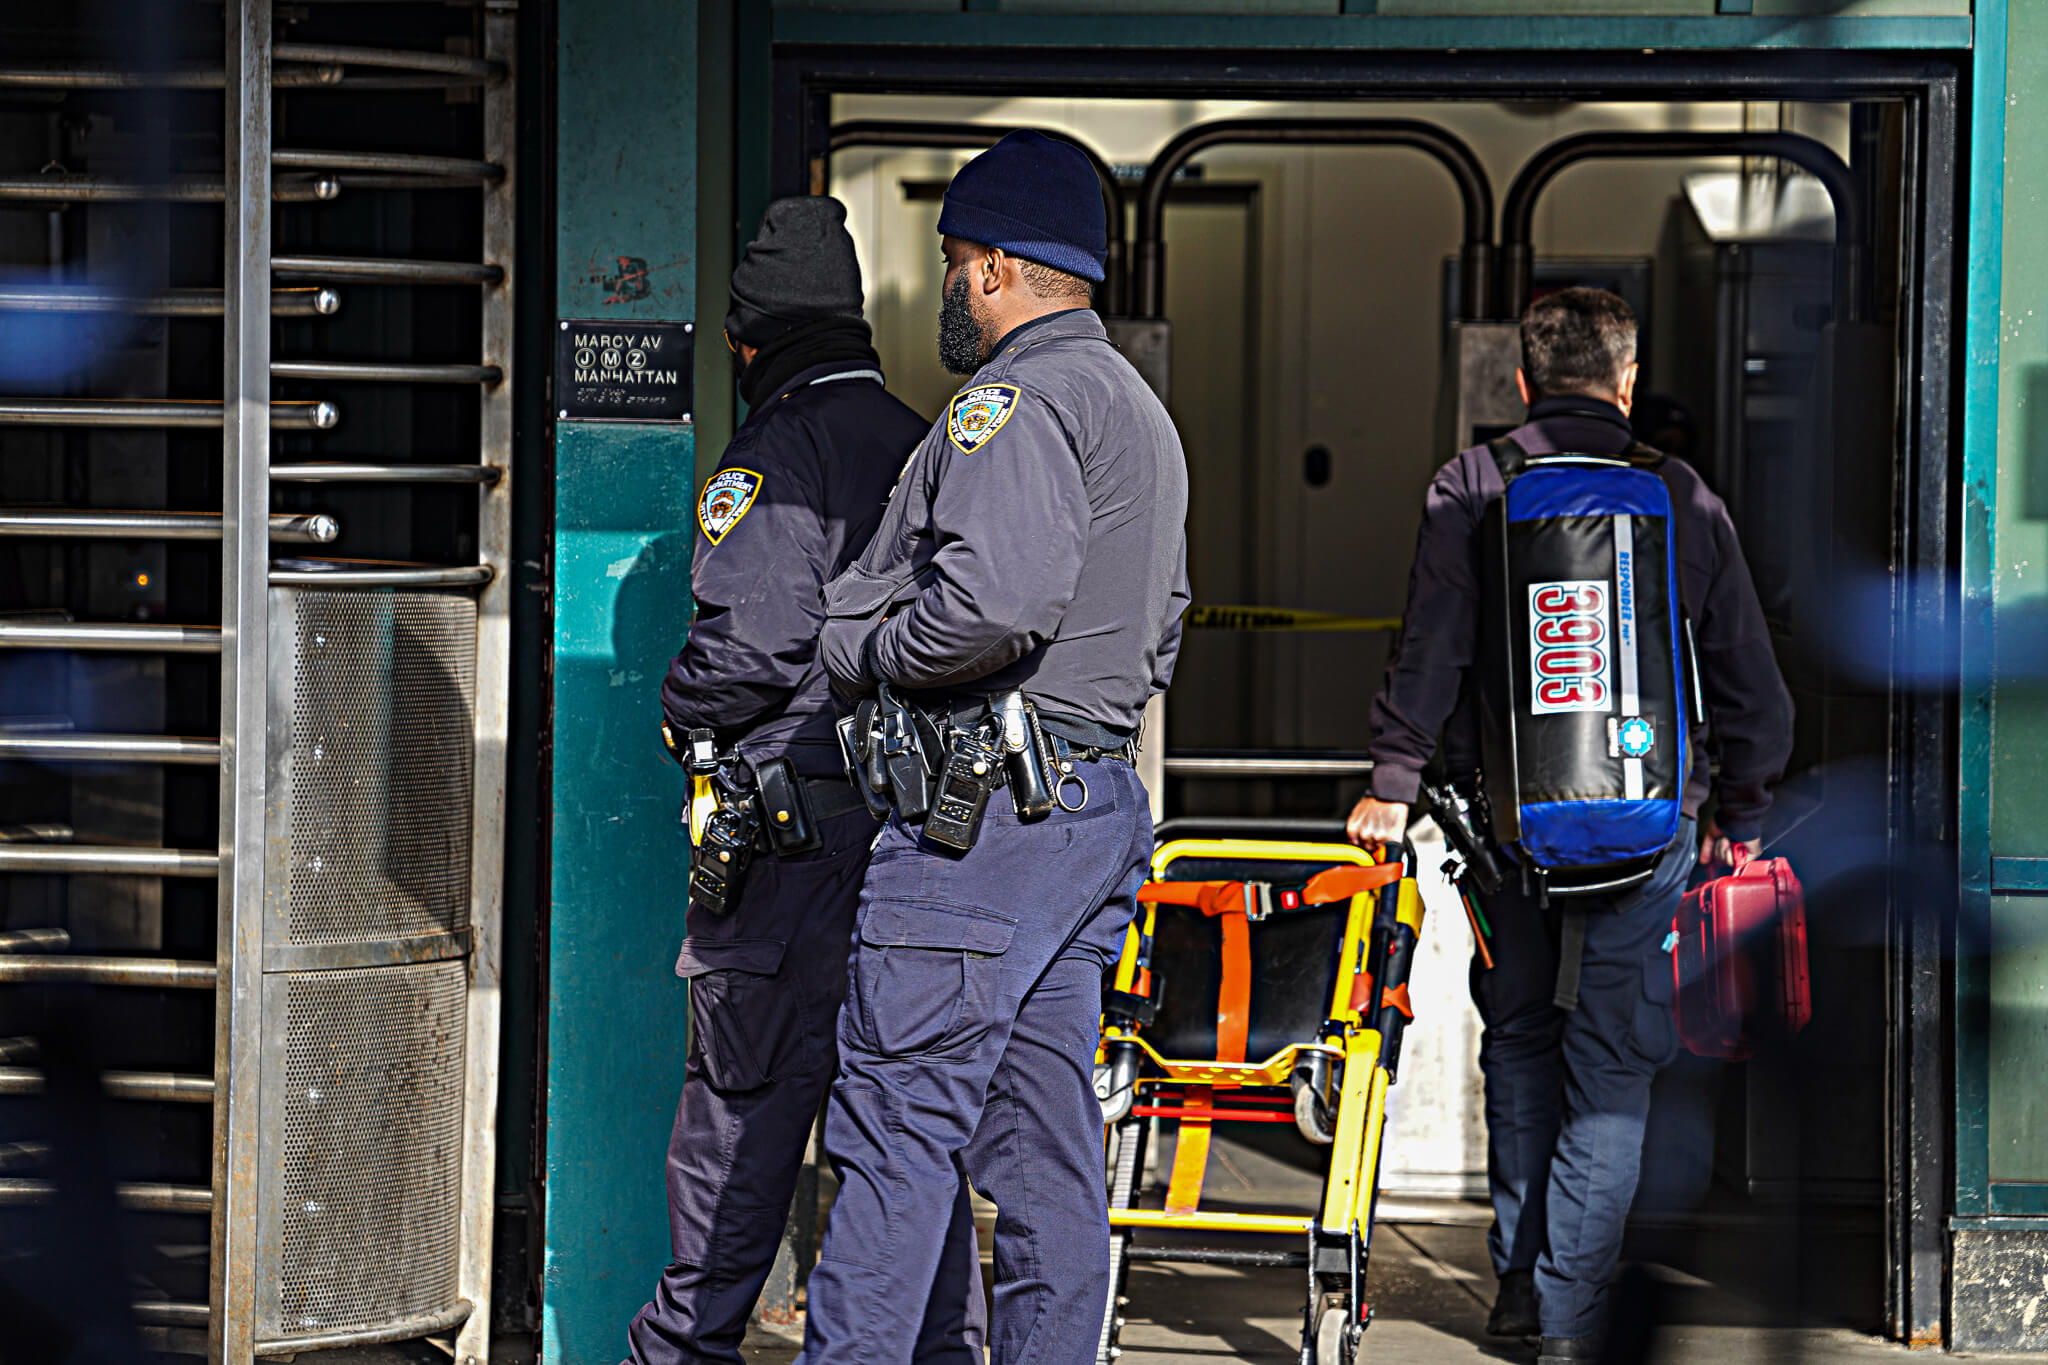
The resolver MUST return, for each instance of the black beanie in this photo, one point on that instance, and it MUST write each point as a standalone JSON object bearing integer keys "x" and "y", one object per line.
{"x": 800, "y": 267}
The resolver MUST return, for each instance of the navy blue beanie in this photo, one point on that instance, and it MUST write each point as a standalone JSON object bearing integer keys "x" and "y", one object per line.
{"x": 1036, "y": 197}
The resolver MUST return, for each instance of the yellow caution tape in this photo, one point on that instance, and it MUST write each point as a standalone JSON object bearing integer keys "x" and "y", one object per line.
{"x": 1282, "y": 618}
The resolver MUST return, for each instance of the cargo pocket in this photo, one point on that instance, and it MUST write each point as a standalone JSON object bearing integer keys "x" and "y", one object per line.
{"x": 1655, "y": 1027}
{"x": 927, "y": 976}
{"x": 749, "y": 1026}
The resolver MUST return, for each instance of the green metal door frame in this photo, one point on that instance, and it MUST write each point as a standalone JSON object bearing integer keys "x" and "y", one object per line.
{"x": 1973, "y": 1192}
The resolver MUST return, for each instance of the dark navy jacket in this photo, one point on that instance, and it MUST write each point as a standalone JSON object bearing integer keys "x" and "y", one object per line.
{"x": 797, "y": 495}
{"x": 1749, "y": 712}
{"x": 1037, "y": 540}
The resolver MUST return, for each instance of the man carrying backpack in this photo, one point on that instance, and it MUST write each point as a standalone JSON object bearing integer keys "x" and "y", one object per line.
{"x": 1587, "y": 661}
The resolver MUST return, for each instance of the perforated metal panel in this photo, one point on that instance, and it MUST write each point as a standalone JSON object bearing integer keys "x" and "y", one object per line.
{"x": 372, "y": 1198}
{"x": 379, "y": 775}
{"x": 366, "y": 981}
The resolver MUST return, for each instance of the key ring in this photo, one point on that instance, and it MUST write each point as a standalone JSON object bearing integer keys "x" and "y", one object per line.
{"x": 1059, "y": 789}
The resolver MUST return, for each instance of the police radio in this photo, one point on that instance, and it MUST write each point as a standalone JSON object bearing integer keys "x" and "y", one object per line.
{"x": 974, "y": 769}
{"x": 725, "y": 823}
{"x": 724, "y": 853}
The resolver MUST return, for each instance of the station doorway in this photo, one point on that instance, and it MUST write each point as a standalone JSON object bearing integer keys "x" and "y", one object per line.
{"x": 1326, "y": 332}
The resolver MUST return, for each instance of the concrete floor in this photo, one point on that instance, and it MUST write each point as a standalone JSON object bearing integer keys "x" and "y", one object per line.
{"x": 1430, "y": 1286}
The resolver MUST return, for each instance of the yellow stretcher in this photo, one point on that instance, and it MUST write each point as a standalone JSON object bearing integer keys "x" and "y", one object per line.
{"x": 1262, "y": 982}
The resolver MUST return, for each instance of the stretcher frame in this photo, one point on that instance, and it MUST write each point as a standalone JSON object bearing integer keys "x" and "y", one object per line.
{"x": 1358, "y": 1051}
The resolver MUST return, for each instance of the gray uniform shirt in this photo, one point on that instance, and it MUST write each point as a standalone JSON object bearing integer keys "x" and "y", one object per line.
{"x": 1036, "y": 538}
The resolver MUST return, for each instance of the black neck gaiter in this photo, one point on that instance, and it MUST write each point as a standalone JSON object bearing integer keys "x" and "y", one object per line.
{"x": 828, "y": 341}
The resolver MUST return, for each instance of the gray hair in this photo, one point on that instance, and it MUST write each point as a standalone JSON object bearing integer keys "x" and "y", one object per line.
{"x": 1578, "y": 341}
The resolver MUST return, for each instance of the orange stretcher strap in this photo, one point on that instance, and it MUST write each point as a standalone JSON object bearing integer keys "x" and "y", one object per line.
{"x": 1190, "y": 1152}
{"x": 1361, "y": 990}
{"x": 1224, "y": 901}
{"x": 1398, "y": 998}
{"x": 1211, "y": 898}
{"x": 1342, "y": 883}
{"x": 1234, "y": 992}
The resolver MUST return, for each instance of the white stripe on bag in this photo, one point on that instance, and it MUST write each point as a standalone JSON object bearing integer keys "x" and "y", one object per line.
{"x": 1625, "y": 644}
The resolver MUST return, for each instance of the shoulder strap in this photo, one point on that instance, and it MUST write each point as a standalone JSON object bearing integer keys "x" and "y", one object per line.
{"x": 1508, "y": 457}
{"x": 1512, "y": 459}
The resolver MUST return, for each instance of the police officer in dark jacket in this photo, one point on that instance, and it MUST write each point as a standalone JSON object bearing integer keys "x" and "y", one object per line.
{"x": 1568, "y": 1091}
{"x": 1035, "y": 540}
{"x": 796, "y": 496}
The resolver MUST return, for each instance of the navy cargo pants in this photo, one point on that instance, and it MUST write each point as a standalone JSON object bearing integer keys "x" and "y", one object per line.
{"x": 1568, "y": 1094}
{"x": 967, "y": 1048}
{"x": 765, "y": 986}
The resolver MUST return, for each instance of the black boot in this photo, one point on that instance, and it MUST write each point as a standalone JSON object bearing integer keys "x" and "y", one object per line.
{"x": 1514, "y": 1308}
{"x": 1567, "y": 1350}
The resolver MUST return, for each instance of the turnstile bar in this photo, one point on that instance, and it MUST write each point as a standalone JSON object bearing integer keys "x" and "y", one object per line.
{"x": 383, "y": 370}
{"x": 34, "y": 940}
{"x": 38, "y": 833}
{"x": 158, "y": 1313}
{"x": 164, "y": 972}
{"x": 369, "y": 576}
{"x": 398, "y": 163}
{"x": 67, "y": 189}
{"x": 110, "y": 860}
{"x": 339, "y": 471}
{"x": 125, "y": 412}
{"x": 111, "y": 635}
{"x": 385, "y": 270}
{"x": 170, "y": 1087}
{"x": 398, "y": 59}
{"x": 76, "y": 76}
{"x": 64, "y": 523}
{"x": 110, "y": 748}
{"x": 164, "y": 303}
{"x": 149, "y": 1196}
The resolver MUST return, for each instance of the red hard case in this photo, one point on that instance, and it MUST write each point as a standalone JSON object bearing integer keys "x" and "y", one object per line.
{"x": 1740, "y": 951}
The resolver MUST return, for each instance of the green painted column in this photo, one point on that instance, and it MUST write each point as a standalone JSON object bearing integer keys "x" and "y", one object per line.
{"x": 626, "y": 187}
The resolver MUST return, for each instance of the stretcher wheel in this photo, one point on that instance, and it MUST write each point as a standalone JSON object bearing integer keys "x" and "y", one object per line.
{"x": 1116, "y": 1082}
{"x": 1312, "y": 1115}
{"x": 1336, "y": 1342}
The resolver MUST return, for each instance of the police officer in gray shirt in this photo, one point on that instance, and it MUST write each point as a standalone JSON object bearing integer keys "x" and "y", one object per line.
{"x": 1035, "y": 541}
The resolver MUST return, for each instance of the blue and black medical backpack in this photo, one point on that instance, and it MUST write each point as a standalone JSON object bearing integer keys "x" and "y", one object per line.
{"x": 1584, "y": 663}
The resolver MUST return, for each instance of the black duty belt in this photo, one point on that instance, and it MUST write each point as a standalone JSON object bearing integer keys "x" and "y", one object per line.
{"x": 1081, "y": 741}
{"x": 832, "y": 797}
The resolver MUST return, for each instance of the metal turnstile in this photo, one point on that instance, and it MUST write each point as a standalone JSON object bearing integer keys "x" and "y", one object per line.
{"x": 345, "y": 1196}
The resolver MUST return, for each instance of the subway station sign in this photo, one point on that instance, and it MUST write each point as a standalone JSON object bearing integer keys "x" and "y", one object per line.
{"x": 619, "y": 371}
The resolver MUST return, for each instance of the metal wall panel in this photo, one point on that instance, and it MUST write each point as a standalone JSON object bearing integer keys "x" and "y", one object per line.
{"x": 616, "y": 1014}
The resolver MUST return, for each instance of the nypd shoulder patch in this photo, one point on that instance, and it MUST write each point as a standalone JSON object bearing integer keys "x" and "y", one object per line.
{"x": 727, "y": 498}
{"x": 979, "y": 413}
